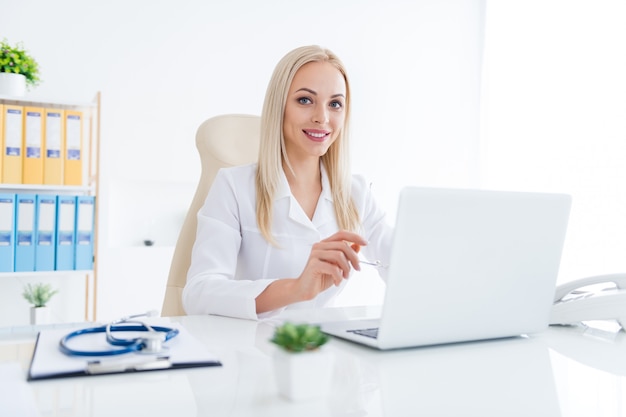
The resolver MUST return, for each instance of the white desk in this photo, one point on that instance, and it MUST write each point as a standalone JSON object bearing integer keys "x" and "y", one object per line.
{"x": 561, "y": 372}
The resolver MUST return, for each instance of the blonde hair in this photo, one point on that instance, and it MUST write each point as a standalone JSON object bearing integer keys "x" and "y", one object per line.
{"x": 272, "y": 148}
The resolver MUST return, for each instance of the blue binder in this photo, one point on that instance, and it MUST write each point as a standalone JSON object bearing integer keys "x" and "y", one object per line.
{"x": 25, "y": 232}
{"x": 45, "y": 236}
{"x": 66, "y": 215}
{"x": 85, "y": 210}
{"x": 7, "y": 232}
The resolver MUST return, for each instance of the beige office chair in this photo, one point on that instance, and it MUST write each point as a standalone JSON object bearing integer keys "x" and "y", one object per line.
{"x": 222, "y": 141}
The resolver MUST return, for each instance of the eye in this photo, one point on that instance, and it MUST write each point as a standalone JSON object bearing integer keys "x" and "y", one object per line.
{"x": 336, "y": 104}
{"x": 304, "y": 100}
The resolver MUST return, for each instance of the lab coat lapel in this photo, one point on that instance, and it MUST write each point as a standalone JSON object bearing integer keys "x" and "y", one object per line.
{"x": 325, "y": 209}
{"x": 295, "y": 212}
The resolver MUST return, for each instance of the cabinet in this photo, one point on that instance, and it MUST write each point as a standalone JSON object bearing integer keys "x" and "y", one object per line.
{"x": 76, "y": 284}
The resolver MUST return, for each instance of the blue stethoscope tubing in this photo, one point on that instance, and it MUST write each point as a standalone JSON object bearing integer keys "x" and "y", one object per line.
{"x": 127, "y": 345}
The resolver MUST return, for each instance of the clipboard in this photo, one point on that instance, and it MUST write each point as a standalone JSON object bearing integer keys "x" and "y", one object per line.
{"x": 48, "y": 362}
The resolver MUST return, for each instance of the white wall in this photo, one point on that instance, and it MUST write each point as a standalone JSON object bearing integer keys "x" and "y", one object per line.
{"x": 555, "y": 117}
{"x": 163, "y": 67}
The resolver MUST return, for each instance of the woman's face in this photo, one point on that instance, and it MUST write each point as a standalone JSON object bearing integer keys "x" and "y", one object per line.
{"x": 314, "y": 112}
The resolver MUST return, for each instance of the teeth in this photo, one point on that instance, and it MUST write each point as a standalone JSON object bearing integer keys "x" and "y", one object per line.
{"x": 317, "y": 135}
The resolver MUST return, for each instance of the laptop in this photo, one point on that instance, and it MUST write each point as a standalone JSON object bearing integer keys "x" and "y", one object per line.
{"x": 466, "y": 265}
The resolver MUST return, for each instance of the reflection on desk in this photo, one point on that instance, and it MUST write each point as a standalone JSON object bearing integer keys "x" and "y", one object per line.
{"x": 524, "y": 376}
{"x": 510, "y": 377}
{"x": 595, "y": 347}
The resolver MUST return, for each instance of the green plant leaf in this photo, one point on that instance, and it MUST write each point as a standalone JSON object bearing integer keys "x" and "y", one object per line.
{"x": 39, "y": 294}
{"x": 15, "y": 59}
{"x": 299, "y": 337}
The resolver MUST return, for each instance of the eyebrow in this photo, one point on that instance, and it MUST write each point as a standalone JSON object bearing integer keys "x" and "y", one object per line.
{"x": 314, "y": 93}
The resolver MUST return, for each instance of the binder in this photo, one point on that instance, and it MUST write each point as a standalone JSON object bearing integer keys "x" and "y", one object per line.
{"x": 7, "y": 232}
{"x": 64, "y": 242}
{"x": 1, "y": 137}
{"x": 25, "y": 232}
{"x": 12, "y": 144}
{"x": 85, "y": 211}
{"x": 33, "y": 145}
{"x": 54, "y": 123}
{"x": 46, "y": 212}
{"x": 73, "y": 162}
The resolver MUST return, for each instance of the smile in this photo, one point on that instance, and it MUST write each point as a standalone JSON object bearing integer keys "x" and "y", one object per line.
{"x": 316, "y": 134}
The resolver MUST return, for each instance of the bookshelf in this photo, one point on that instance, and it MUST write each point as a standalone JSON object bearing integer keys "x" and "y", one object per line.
{"x": 86, "y": 185}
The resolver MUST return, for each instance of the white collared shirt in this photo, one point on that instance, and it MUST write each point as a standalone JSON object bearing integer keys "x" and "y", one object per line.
{"x": 232, "y": 263}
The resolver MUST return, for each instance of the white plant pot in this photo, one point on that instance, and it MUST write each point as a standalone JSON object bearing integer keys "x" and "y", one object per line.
{"x": 39, "y": 315}
{"x": 11, "y": 84}
{"x": 303, "y": 375}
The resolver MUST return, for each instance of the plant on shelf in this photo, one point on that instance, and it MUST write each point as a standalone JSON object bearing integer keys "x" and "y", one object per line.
{"x": 39, "y": 294}
{"x": 299, "y": 337}
{"x": 16, "y": 60}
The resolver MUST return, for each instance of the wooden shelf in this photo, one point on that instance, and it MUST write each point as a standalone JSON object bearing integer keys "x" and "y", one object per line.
{"x": 47, "y": 102}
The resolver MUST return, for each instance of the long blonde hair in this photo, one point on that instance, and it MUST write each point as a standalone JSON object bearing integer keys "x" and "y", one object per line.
{"x": 272, "y": 148}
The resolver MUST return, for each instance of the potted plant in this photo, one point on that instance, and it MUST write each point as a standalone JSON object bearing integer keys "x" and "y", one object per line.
{"x": 38, "y": 295}
{"x": 18, "y": 69}
{"x": 303, "y": 370}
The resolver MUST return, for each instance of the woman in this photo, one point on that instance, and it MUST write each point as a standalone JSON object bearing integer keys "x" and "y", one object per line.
{"x": 285, "y": 232}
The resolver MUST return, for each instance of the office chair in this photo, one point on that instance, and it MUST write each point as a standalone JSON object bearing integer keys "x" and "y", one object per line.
{"x": 222, "y": 141}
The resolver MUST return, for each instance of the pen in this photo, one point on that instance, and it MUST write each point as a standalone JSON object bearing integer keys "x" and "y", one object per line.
{"x": 375, "y": 264}
{"x": 109, "y": 367}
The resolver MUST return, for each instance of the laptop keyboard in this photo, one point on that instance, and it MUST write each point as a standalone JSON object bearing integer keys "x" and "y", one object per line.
{"x": 373, "y": 332}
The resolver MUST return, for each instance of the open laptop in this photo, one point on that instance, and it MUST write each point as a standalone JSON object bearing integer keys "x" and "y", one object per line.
{"x": 467, "y": 265}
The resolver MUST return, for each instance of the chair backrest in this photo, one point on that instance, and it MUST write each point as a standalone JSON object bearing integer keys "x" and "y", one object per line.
{"x": 222, "y": 141}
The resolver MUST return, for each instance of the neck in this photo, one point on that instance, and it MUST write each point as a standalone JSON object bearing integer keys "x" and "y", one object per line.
{"x": 305, "y": 173}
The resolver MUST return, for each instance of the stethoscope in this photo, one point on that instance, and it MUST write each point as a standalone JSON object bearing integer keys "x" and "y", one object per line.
{"x": 150, "y": 342}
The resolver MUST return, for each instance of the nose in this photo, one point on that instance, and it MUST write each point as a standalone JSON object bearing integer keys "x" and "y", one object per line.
{"x": 320, "y": 115}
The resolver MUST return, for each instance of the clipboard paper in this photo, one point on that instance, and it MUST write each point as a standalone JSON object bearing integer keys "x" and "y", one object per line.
{"x": 48, "y": 362}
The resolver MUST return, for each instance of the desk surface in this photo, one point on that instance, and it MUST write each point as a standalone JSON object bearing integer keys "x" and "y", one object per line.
{"x": 560, "y": 372}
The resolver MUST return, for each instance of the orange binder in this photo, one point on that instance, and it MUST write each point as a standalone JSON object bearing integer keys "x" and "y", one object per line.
{"x": 33, "y": 145}
{"x": 54, "y": 123}
{"x": 12, "y": 146}
{"x": 73, "y": 161}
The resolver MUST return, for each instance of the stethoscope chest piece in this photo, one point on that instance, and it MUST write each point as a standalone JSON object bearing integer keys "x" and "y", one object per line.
{"x": 150, "y": 341}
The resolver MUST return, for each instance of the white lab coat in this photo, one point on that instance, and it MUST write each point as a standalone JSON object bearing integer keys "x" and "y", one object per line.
{"x": 232, "y": 263}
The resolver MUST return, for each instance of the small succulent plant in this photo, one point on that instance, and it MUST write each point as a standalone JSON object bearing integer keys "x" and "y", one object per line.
{"x": 299, "y": 337}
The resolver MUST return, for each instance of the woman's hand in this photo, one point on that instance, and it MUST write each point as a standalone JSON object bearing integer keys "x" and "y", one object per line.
{"x": 329, "y": 263}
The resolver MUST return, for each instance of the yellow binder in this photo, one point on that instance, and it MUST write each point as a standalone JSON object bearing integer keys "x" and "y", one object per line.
{"x": 54, "y": 123}
{"x": 33, "y": 145}
{"x": 73, "y": 160}
{"x": 12, "y": 147}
